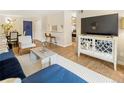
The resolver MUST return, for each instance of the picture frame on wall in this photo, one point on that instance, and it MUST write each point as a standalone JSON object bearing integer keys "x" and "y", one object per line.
{"x": 56, "y": 28}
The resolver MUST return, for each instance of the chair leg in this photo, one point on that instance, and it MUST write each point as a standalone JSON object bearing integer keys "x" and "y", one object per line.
{"x": 50, "y": 40}
{"x": 55, "y": 40}
{"x": 20, "y": 51}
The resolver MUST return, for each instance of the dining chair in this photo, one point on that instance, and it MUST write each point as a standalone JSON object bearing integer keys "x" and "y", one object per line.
{"x": 13, "y": 39}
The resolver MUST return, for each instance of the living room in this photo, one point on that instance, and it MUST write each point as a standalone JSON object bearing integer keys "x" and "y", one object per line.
{"x": 61, "y": 46}
{"x": 32, "y": 28}
{"x": 59, "y": 25}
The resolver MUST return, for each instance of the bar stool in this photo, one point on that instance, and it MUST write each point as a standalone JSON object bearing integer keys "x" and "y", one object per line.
{"x": 50, "y": 37}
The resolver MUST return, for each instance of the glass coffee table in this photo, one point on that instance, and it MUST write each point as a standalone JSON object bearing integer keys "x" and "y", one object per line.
{"x": 45, "y": 55}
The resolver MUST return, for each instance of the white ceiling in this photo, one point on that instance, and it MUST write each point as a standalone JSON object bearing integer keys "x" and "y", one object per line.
{"x": 29, "y": 12}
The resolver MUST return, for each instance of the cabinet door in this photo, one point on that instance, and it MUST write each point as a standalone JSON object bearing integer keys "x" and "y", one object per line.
{"x": 103, "y": 46}
{"x": 86, "y": 43}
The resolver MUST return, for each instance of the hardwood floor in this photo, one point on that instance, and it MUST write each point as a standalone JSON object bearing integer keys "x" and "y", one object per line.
{"x": 100, "y": 66}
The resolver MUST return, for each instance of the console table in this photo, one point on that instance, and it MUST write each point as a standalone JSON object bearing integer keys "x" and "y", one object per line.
{"x": 101, "y": 47}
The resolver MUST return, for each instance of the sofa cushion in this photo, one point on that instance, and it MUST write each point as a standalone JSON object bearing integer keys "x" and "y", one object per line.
{"x": 11, "y": 68}
{"x": 11, "y": 80}
{"x": 7, "y": 55}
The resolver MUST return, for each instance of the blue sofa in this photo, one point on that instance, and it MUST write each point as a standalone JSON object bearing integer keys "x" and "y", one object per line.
{"x": 53, "y": 74}
{"x": 7, "y": 55}
{"x": 10, "y": 66}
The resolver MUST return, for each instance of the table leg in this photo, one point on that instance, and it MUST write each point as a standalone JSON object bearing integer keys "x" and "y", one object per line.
{"x": 49, "y": 61}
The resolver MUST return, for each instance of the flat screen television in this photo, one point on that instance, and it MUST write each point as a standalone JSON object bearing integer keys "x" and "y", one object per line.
{"x": 100, "y": 25}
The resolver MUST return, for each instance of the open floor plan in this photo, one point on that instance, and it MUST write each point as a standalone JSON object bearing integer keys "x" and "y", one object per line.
{"x": 61, "y": 46}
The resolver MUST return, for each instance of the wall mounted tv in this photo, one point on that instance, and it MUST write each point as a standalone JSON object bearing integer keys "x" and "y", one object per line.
{"x": 100, "y": 25}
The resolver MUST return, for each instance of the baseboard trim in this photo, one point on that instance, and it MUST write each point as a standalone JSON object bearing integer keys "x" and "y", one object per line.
{"x": 120, "y": 62}
{"x": 64, "y": 45}
{"x": 58, "y": 44}
{"x": 68, "y": 45}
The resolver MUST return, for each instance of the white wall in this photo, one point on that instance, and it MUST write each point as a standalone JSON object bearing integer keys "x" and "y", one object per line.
{"x": 89, "y": 13}
{"x": 2, "y": 20}
{"x": 18, "y": 24}
{"x": 44, "y": 27}
{"x": 41, "y": 25}
{"x": 68, "y": 27}
{"x": 64, "y": 35}
{"x": 40, "y": 28}
{"x": 56, "y": 19}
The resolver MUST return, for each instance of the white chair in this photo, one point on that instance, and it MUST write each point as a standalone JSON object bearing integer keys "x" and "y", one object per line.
{"x": 25, "y": 42}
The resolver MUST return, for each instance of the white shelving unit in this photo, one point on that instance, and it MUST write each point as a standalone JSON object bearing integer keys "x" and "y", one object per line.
{"x": 101, "y": 47}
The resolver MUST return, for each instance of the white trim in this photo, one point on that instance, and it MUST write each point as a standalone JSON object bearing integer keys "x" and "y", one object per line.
{"x": 68, "y": 45}
{"x": 120, "y": 62}
{"x": 58, "y": 44}
{"x": 62, "y": 45}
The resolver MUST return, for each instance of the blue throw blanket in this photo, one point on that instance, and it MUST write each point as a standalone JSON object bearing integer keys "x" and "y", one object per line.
{"x": 54, "y": 74}
{"x": 6, "y": 55}
{"x": 10, "y": 66}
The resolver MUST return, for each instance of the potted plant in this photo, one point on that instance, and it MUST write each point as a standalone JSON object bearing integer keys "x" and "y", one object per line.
{"x": 7, "y": 27}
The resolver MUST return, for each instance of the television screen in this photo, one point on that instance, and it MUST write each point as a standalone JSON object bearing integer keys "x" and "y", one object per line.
{"x": 100, "y": 25}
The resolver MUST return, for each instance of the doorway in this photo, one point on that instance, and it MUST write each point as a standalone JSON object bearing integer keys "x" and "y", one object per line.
{"x": 74, "y": 35}
{"x": 27, "y": 28}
